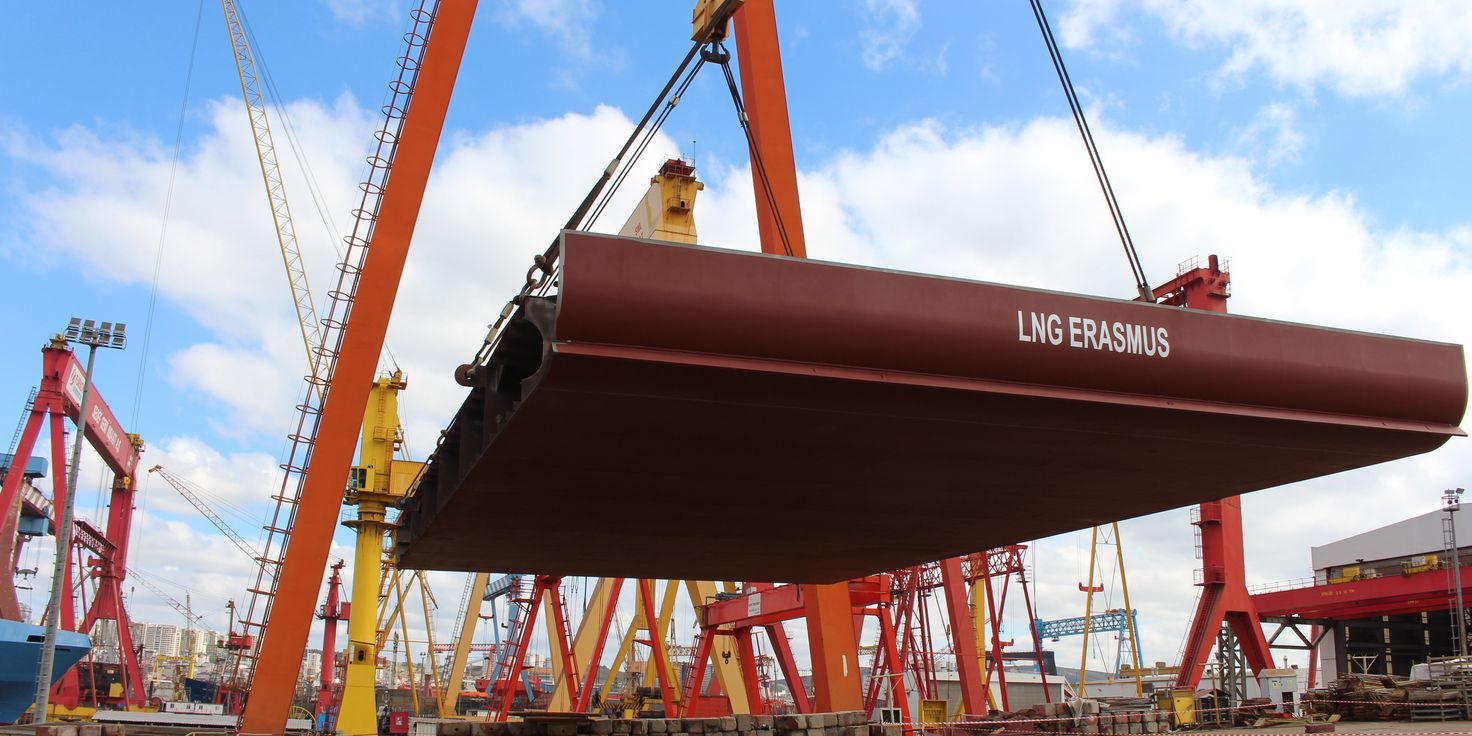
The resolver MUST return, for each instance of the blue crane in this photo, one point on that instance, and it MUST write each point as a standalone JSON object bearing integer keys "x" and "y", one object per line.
{"x": 1113, "y": 620}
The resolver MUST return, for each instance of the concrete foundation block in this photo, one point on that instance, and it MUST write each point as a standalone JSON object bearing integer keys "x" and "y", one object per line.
{"x": 569, "y": 728}
{"x": 791, "y": 722}
{"x": 456, "y": 728}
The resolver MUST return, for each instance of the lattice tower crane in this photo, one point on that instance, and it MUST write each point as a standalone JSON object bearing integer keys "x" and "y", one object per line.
{"x": 323, "y": 440}
{"x": 186, "y": 611}
{"x": 187, "y": 490}
{"x": 291, "y": 255}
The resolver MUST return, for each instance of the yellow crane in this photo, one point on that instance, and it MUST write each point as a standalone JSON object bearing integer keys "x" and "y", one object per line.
{"x": 291, "y": 255}
{"x": 378, "y": 481}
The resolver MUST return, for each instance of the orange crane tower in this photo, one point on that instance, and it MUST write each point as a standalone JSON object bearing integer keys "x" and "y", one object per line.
{"x": 284, "y": 634}
{"x": 830, "y": 621}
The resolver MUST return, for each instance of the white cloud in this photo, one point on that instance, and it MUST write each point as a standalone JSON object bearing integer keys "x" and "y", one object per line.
{"x": 1358, "y": 48}
{"x": 569, "y": 21}
{"x": 221, "y": 265}
{"x": 1015, "y": 204}
{"x": 1272, "y": 137}
{"x": 236, "y": 486}
{"x": 356, "y": 13}
{"x": 888, "y": 27}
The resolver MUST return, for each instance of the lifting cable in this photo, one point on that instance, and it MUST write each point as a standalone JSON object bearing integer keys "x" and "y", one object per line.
{"x": 720, "y": 55}
{"x": 540, "y": 275}
{"x": 543, "y": 273}
{"x": 163, "y": 234}
{"x": 648, "y": 137}
{"x": 1083, "y": 128}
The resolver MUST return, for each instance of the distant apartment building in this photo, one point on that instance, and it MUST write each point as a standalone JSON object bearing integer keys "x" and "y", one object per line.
{"x": 162, "y": 639}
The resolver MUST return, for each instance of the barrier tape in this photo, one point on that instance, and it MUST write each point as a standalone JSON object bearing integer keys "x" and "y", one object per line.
{"x": 1299, "y": 705}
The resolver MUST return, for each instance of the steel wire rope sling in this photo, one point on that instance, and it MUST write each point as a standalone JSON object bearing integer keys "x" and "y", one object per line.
{"x": 542, "y": 274}
{"x": 719, "y": 55}
{"x": 1146, "y": 294}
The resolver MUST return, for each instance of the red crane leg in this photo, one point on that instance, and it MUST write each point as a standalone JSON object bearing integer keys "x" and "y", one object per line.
{"x": 305, "y": 560}
{"x": 759, "y": 58}
{"x": 563, "y": 649}
{"x": 697, "y": 677}
{"x": 585, "y": 693}
{"x": 963, "y": 636}
{"x": 749, "y": 674}
{"x": 59, "y": 480}
{"x": 996, "y": 604}
{"x": 656, "y": 646}
{"x": 896, "y": 669}
{"x": 782, "y": 650}
{"x": 518, "y": 655}
{"x": 10, "y": 507}
{"x": 1037, "y": 644}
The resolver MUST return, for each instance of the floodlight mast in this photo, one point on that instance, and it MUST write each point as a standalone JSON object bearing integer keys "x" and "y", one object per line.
{"x": 93, "y": 335}
{"x": 1451, "y": 502}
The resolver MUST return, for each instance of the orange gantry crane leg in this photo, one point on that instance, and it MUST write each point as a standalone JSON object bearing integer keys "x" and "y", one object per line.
{"x": 305, "y": 562}
{"x": 831, "y": 635}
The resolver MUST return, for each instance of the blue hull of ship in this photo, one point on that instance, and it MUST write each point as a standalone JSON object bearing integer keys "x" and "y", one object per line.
{"x": 20, "y": 656}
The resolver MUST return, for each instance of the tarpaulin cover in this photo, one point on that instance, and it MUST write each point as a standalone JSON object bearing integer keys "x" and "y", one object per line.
{"x": 690, "y": 412}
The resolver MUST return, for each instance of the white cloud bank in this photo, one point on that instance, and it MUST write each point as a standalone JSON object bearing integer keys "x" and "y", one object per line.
{"x": 1013, "y": 203}
{"x": 1355, "y": 47}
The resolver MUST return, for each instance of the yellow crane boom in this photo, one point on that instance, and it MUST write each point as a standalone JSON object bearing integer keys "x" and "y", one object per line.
{"x": 291, "y": 255}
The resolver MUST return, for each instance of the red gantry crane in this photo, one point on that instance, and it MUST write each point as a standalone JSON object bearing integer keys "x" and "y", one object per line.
{"x": 59, "y": 398}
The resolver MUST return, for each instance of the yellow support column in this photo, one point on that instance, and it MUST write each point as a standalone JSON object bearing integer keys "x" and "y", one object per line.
{"x": 376, "y": 482}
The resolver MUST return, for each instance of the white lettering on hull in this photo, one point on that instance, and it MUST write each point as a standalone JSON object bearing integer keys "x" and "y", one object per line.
{"x": 1086, "y": 333}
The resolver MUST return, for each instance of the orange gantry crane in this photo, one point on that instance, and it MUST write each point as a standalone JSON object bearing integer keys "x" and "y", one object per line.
{"x": 285, "y": 616}
{"x": 400, "y": 174}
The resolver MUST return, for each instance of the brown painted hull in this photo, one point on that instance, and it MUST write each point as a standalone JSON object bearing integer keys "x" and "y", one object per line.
{"x": 686, "y": 412}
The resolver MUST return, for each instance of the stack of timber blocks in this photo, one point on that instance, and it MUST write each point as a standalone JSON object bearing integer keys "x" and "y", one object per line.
{"x": 847, "y": 723}
{"x": 1089, "y": 717}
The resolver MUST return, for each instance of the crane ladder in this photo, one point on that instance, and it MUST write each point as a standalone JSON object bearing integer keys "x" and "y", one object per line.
{"x": 262, "y": 591}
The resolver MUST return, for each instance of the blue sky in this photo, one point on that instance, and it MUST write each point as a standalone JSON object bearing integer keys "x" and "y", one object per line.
{"x": 1321, "y": 150}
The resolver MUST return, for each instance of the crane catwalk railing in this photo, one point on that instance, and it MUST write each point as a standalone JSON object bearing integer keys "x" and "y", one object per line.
{"x": 262, "y": 593}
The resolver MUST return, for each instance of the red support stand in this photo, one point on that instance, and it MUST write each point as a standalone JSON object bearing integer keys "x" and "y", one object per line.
{"x": 1224, "y": 597}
